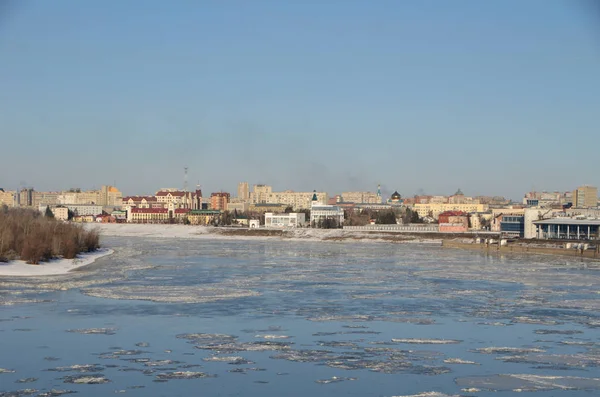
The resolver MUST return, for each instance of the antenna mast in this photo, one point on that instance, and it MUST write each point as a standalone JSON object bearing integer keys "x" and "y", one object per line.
{"x": 185, "y": 178}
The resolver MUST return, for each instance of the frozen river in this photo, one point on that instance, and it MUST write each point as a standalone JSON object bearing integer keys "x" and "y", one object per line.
{"x": 166, "y": 317}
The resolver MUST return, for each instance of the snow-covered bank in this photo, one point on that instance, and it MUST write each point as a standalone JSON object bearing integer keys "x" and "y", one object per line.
{"x": 208, "y": 232}
{"x": 53, "y": 267}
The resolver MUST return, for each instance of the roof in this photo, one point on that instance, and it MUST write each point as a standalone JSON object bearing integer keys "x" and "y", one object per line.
{"x": 139, "y": 198}
{"x": 569, "y": 221}
{"x": 136, "y": 210}
{"x": 175, "y": 194}
{"x": 204, "y": 212}
{"x": 453, "y": 213}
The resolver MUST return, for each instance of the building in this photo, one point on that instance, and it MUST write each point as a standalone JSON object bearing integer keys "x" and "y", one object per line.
{"x": 361, "y": 197}
{"x": 320, "y": 213}
{"x": 7, "y": 198}
{"x": 292, "y": 219}
{"x": 499, "y": 213}
{"x": 295, "y": 200}
{"x": 25, "y": 197}
{"x": 434, "y": 210}
{"x": 48, "y": 198}
{"x": 237, "y": 205}
{"x": 203, "y": 217}
{"x": 263, "y": 208}
{"x": 568, "y": 228}
{"x": 110, "y": 196}
{"x": 585, "y": 197}
{"x": 243, "y": 192}
{"x": 259, "y": 193}
{"x": 76, "y": 209}
{"x": 142, "y": 202}
{"x": 60, "y": 213}
{"x": 219, "y": 200}
{"x": 513, "y": 225}
{"x": 453, "y": 222}
{"x": 532, "y": 215}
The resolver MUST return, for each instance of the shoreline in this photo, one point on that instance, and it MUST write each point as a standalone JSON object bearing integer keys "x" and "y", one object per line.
{"x": 522, "y": 249}
{"x": 54, "y": 267}
{"x": 226, "y": 233}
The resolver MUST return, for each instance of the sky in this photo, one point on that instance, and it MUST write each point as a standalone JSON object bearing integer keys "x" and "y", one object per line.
{"x": 494, "y": 97}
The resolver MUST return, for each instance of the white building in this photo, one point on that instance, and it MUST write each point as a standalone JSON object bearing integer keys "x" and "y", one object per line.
{"x": 77, "y": 209}
{"x": 285, "y": 220}
{"x": 320, "y": 212}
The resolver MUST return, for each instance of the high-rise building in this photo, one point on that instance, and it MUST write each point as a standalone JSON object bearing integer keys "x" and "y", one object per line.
{"x": 219, "y": 200}
{"x": 7, "y": 198}
{"x": 243, "y": 192}
{"x": 585, "y": 197}
{"x": 259, "y": 193}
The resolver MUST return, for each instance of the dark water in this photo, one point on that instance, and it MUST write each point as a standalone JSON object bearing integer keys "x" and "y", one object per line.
{"x": 293, "y": 318}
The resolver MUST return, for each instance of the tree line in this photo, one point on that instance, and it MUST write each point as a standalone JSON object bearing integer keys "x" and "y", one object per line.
{"x": 30, "y": 236}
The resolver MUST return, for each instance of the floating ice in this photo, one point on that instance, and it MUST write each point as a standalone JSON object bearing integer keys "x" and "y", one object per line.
{"x": 431, "y": 394}
{"x": 526, "y": 382}
{"x": 208, "y": 338}
{"x": 503, "y": 350}
{"x": 55, "y": 393}
{"x": 142, "y": 344}
{"x": 94, "y": 331}
{"x": 18, "y": 393}
{"x": 561, "y": 360}
{"x": 182, "y": 375}
{"x": 26, "y": 380}
{"x": 82, "y": 368}
{"x": 233, "y": 360}
{"x": 426, "y": 341}
{"x": 334, "y": 379}
{"x": 557, "y": 332}
{"x": 91, "y": 379}
{"x": 170, "y": 293}
{"x": 272, "y": 336}
{"x": 459, "y": 361}
{"x": 6, "y": 371}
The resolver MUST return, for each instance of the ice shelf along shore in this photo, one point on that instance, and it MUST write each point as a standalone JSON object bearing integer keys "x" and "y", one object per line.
{"x": 53, "y": 267}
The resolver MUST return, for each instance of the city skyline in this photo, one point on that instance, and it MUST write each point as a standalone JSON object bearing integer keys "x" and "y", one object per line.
{"x": 497, "y": 98}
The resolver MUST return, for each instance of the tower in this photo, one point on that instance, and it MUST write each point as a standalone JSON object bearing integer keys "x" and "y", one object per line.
{"x": 379, "y": 201}
{"x": 185, "y": 178}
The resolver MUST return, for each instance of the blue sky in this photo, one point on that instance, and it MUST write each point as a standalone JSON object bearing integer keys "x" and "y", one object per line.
{"x": 494, "y": 97}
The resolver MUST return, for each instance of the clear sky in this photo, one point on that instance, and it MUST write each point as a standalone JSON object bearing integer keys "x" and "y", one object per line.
{"x": 494, "y": 97}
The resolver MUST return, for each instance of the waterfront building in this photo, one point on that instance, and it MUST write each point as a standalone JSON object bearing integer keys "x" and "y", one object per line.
{"x": 203, "y": 217}
{"x": 453, "y": 222}
{"x": 292, "y": 219}
{"x": 321, "y": 212}
{"x": 219, "y": 200}
{"x": 585, "y": 197}
{"x": 568, "y": 228}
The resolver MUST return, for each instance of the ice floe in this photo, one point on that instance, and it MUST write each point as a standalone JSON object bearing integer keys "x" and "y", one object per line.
{"x": 527, "y": 382}
{"x": 417, "y": 341}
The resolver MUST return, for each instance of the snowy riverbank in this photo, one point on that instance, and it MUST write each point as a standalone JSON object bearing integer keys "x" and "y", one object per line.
{"x": 53, "y": 267}
{"x": 199, "y": 232}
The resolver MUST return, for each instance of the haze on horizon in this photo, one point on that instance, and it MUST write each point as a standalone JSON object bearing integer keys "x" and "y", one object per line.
{"x": 494, "y": 97}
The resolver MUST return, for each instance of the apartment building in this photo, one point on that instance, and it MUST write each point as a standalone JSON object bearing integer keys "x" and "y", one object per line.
{"x": 259, "y": 193}
{"x": 7, "y": 198}
{"x": 243, "y": 192}
{"x": 585, "y": 197}
{"x": 434, "y": 210}
{"x": 219, "y": 200}
{"x": 361, "y": 197}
